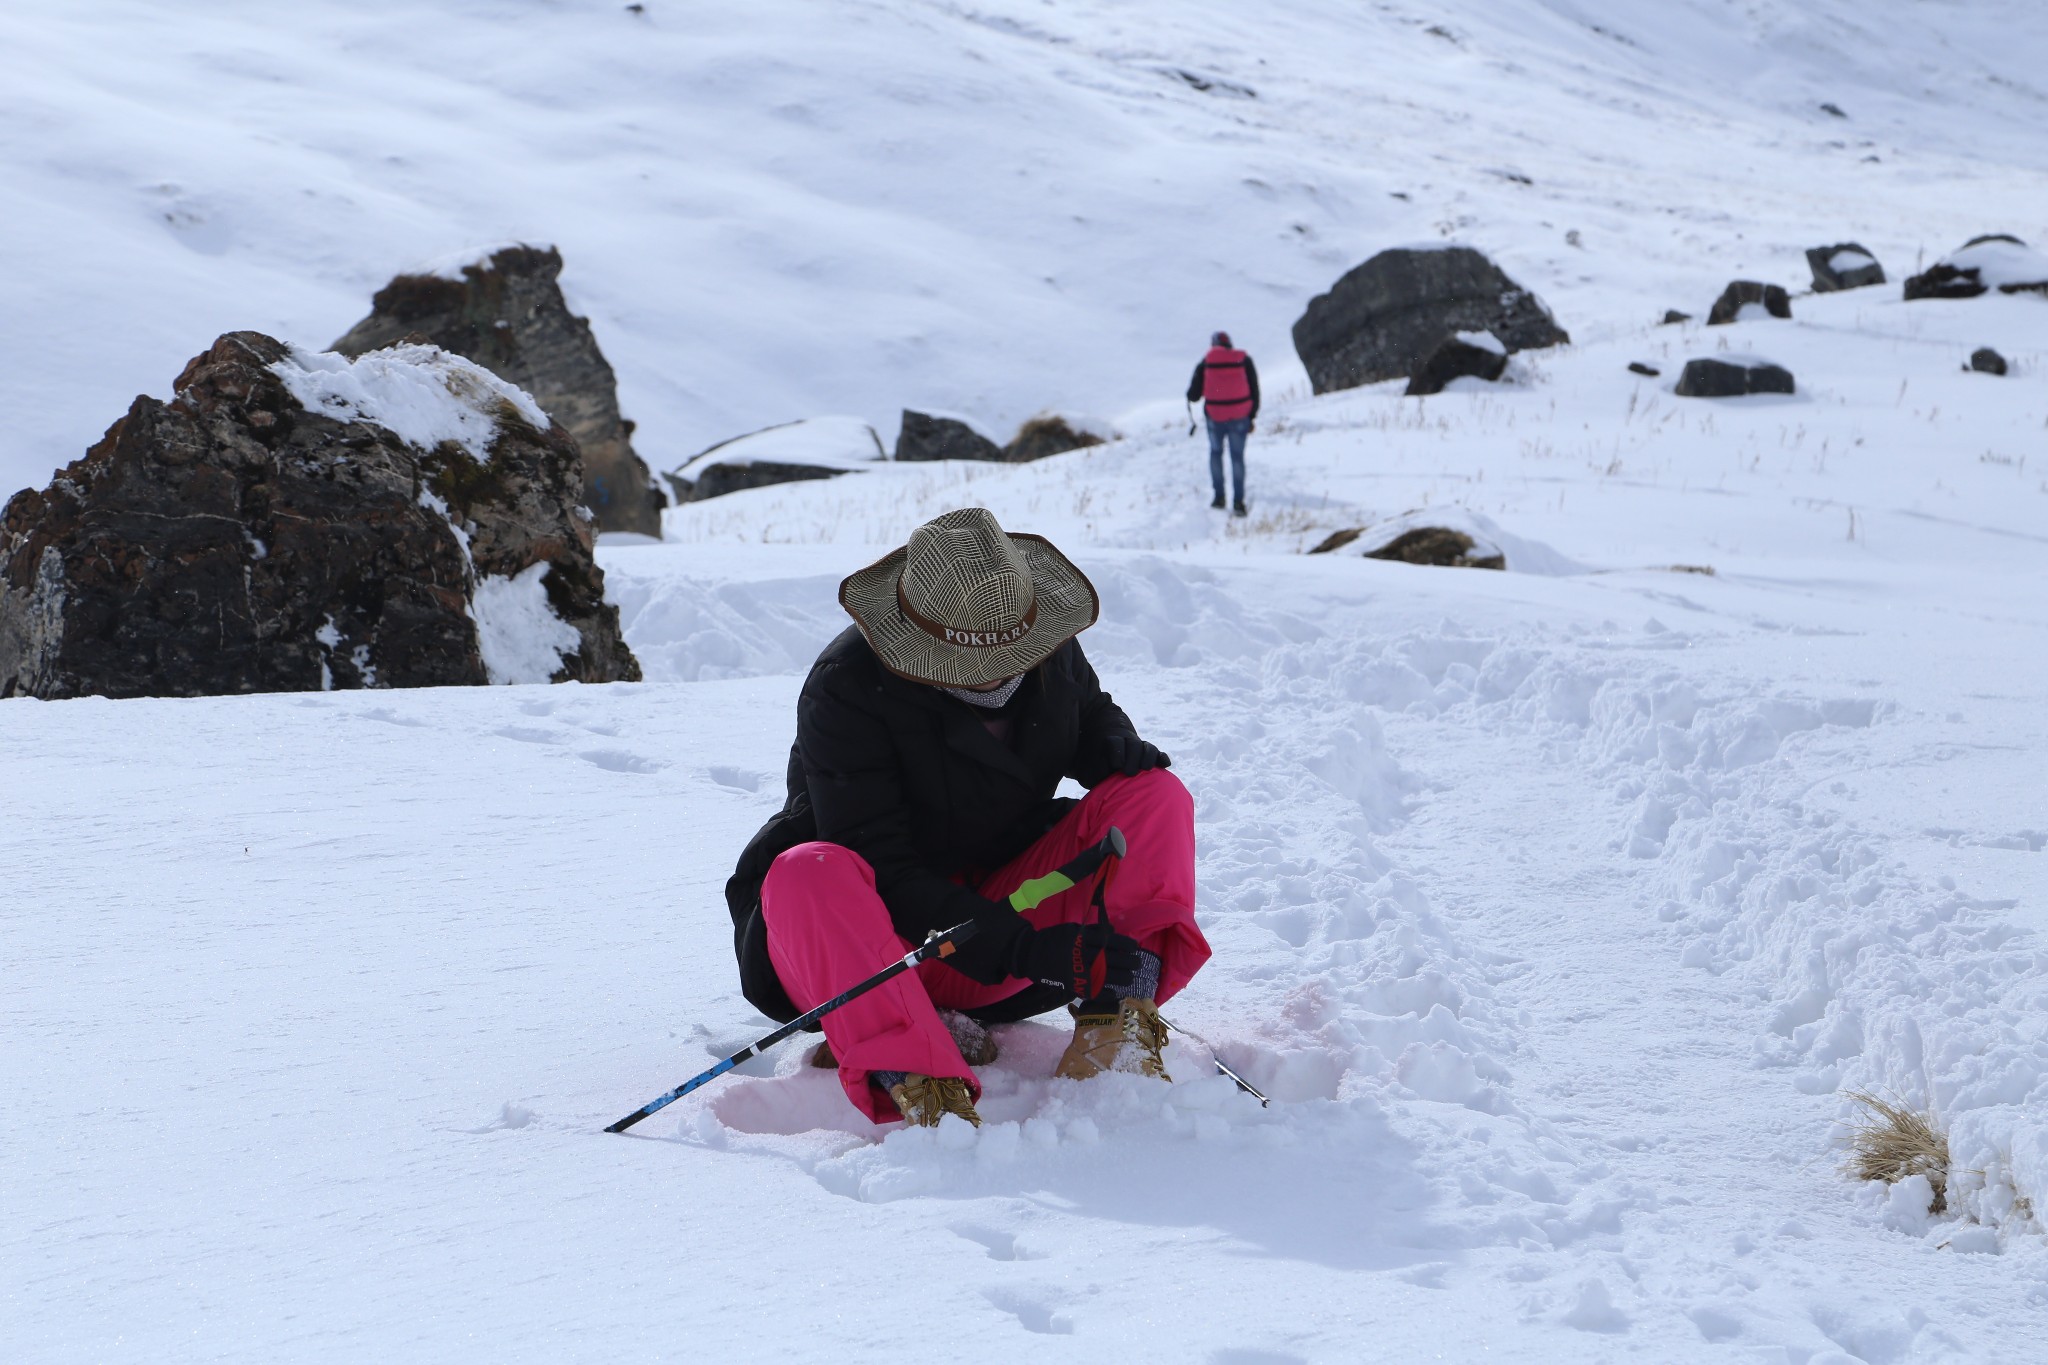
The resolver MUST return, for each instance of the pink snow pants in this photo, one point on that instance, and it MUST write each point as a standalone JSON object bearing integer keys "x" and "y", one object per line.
{"x": 828, "y": 928}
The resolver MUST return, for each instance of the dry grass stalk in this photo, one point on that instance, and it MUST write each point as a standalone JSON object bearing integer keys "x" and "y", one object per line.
{"x": 1891, "y": 1142}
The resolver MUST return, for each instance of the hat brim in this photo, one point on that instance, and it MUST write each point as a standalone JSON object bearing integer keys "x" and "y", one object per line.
{"x": 1067, "y": 605}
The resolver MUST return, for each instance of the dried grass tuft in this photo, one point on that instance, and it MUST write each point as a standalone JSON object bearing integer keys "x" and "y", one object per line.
{"x": 1891, "y": 1142}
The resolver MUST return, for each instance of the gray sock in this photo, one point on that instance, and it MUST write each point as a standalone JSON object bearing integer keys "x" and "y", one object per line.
{"x": 1144, "y": 986}
{"x": 1144, "y": 983}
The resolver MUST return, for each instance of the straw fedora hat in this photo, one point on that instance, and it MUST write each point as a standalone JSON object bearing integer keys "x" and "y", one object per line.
{"x": 966, "y": 603}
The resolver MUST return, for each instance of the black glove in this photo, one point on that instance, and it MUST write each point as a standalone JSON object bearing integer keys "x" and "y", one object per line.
{"x": 986, "y": 957}
{"x": 1081, "y": 959}
{"x": 1130, "y": 755}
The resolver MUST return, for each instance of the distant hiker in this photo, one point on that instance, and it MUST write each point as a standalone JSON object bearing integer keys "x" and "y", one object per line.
{"x": 930, "y": 738}
{"x": 1228, "y": 384}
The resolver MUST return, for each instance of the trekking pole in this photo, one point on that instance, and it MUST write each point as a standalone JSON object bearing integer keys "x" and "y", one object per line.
{"x": 1191, "y": 417}
{"x": 1025, "y": 897}
{"x": 1242, "y": 1083}
{"x": 937, "y": 944}
{"x": 1068, "y": 875}
{"x": 1113, "y": 844}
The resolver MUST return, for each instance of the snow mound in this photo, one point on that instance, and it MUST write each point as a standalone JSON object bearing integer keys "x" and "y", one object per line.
{"x": 421, "y": 394}
{"x": 2002, "y": 264}
{"x": 517, "y": 631}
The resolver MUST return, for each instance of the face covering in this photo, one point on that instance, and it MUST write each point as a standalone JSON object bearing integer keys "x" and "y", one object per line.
{"x": 989, "y": 700}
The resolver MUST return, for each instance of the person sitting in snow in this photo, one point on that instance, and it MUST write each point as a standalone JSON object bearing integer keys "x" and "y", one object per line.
{"x": 1228, "y": 384}
{"x": 931, "y": 736}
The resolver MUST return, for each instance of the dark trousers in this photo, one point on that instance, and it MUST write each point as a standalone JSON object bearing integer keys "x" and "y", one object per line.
{"x": 1234, "y": 432}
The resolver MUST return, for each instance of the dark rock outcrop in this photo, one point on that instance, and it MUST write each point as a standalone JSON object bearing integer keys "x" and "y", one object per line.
{"x": 507, "y": 314}
{"x": 1846, "y": 265}
{"x": 1459, "y": 358}
{"x": 1995, "y": 260}
{"x": 1046, "y": 436}
{"x": 925, "y": 437}
{"x": 236, "y": 539}
{"x": 1732, "y": 377}
{"x": 1437, "y": 545}
{"x": 1434, "y": 545}
{"x": 1638, "y": 367}
{"x": 1673, "y": 317}
{"x": 1745, "y": 294}
{"x": 1385, "y": 317}
{"x": 1984, "y": 360}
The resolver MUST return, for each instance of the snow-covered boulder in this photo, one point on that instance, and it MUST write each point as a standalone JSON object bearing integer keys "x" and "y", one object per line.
{"x": 1846, "y": 265}
{"x": 1051, "y": 434}
{"x": 1451, "y": 537}
{"x": 1385, "y": 317}
{"x": 816, "y": 448}
{"x": 1732, "y": 376}
{"x": 1744, "y": 300}
{"x": 933, "y": 436}
{"x": 1995, "y": 261}
{"x": 297, "y": 521}
{"x": 1475, "y": 355}
{"x": 503, "y": 309}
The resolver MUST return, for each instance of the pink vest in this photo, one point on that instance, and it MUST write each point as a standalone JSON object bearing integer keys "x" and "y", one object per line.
{"x": 1226, "y": 392}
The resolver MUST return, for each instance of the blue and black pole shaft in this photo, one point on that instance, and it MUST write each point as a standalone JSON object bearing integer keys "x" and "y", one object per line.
{"x": 939, "y": 944}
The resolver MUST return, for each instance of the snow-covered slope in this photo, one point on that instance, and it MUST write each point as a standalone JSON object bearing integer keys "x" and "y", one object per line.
{"x": 776, "y": 209}
{"x": 1558, "y": 909}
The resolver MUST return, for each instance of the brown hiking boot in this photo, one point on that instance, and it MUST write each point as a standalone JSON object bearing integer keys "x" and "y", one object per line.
{"x": 924, "y": 1100}
{"x": 1132, "y": 1040}
{"x": 977, "y": 1047}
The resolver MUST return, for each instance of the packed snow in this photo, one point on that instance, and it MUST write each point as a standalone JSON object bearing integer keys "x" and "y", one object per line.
{"x": 521, "y": 638}
{"x": 421, "y": 394}
{"x": 1558, "y": 911}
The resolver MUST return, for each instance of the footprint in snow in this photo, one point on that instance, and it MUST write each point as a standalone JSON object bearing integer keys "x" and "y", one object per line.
{"x": 527, "y": 735}
{"x": 619, "y": 761}
{"x": 1001, "y": 1246}
{"x": 739, "y": 779}
{"x": 1034, "y": 1312}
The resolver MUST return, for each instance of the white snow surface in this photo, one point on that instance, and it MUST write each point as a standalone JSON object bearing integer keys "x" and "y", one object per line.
{"x": 421, "y": 394}
{"x": 518, "y": 633}
{"x": 1559, "y": 912}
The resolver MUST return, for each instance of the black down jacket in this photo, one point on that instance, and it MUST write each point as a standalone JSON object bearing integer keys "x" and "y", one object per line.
{"x": 910, "y": 779}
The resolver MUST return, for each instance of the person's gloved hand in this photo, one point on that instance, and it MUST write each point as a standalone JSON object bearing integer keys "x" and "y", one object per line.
{"x": 1081, "y": 959}
{"x": 1130, "y": 755}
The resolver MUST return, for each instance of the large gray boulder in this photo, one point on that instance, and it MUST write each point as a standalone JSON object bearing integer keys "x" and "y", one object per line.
{"x": 1383, "y": 319}
{"x": 506, "y": 312}
{"x": 924, "y": 436}
{"x": 1732, "y": 376}
{"x": 1845, "y": 265}
{"x": 295, "y": 522}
